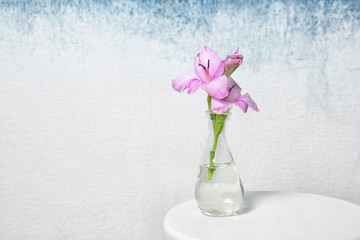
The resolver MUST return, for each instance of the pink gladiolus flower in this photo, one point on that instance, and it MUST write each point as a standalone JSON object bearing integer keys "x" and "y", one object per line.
{"x": 232, "y": 61}
{"x": 234, "y": 97}
{"x": 207, "y": 74}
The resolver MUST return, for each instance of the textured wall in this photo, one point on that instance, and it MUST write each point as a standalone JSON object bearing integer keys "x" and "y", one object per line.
{"x": 95, "y": 144}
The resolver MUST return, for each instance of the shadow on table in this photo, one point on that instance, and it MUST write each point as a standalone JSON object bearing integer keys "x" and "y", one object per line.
{"x": 252, "y": 200}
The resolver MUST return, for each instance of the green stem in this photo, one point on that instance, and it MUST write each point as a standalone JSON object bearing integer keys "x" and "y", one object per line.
{"x": 212, "y": 156}
{"x": 212, "y": 152}
{"x": 218, "y": 125}
{"x": 209, "y": 102}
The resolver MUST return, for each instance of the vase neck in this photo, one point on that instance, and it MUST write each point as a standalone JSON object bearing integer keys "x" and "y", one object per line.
{"x": 216, "y": 150}
{"x": 218, "y": 122}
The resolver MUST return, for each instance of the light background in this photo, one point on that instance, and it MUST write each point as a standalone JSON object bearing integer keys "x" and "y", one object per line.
{"x": 95, "y": 144}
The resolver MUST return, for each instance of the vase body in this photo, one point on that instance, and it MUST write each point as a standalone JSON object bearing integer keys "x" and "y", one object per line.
{"x": 219, "y": 190}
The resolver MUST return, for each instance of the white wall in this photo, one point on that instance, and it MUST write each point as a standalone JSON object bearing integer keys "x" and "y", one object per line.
{"x": 95, "y": 144}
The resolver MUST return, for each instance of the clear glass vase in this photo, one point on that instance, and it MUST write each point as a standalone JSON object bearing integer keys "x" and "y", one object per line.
{"x": 218, "y": 190}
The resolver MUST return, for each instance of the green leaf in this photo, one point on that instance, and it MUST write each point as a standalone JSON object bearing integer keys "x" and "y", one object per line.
{"x": 231, "y": 71}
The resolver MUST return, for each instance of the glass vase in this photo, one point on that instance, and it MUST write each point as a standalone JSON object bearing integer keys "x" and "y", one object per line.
{"x": 219, "y": 190}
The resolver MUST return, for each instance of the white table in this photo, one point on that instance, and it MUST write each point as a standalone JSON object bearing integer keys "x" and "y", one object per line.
{"x": 269, "y": 216}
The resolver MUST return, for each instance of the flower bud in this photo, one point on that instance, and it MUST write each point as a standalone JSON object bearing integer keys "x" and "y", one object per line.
{"x": 232, "y": 62}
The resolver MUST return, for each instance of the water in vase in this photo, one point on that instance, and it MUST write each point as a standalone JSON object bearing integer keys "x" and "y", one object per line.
{"x": 223, "y": 194}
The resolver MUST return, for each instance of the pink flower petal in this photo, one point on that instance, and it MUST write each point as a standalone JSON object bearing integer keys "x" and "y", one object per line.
{"x": 210, "y": 59}
{"x": 194, "y": 86}
{"x": 220, "y": 106}
{"x": 218, "y": 87}
{"x": 243, "y": 105}
{"x": 220, "y": 70}
{"x": 235, "y": 90}
{"x": 234, "y": 94}
{"x": 199, "y": 70}
{"x": 247, "y": 99}
{"x": 231, "y": 82}
{"x": 182, "y": 82}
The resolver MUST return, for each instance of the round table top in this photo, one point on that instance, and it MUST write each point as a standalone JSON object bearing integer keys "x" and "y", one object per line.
{"x": 269, "y": 215}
